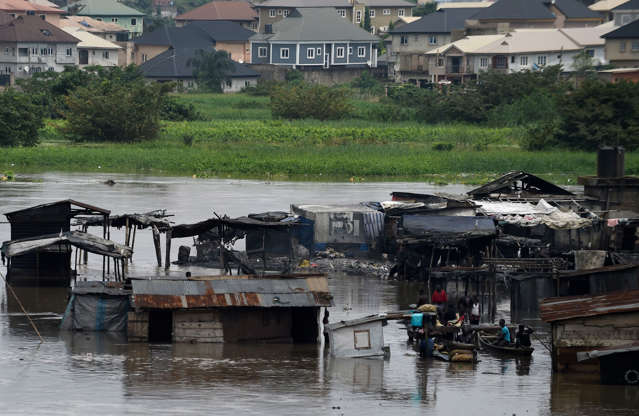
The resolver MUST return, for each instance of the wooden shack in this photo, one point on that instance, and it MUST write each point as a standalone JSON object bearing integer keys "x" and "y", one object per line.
{"x": 218, "y": 309}
{"x": 586, "y": 323}
{"x": 50, "y": 266}
{"x": 363, "y": 337}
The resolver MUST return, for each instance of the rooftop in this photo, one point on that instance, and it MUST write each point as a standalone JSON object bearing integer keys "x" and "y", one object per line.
{"x": 176, "y": 63}
{"x": 514, "y": 10}
{"x": 629, "y": 31}
{"x": 104, "y": 8}
{"x": 441, "y": 21}
{"x": 316, "y": 24}
{"x": 464, "y": 4}
{"x": 574, "y": 9}
{"x": 26, "y": 6}
{"x": 89, "y": 40}
{"x": 628, "y": 5}
{"x": 570, "y": 307}
{"x": 221, "y": 10}
{"x": 387, "y": 3}
{"x": 90, "y": 24}
{"x": 33, "y": 29}
{"x": 606, "y": 5}
{"x": 304, "y": 3}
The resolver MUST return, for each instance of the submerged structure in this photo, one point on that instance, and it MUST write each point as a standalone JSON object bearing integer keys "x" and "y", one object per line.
{"x": 363, "y": 337}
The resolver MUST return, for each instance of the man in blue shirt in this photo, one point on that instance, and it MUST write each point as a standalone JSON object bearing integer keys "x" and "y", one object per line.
{"x": 504, "y": 334}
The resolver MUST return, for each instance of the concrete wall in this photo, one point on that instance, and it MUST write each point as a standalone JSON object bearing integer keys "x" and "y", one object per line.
{"x": 143, "y": 53}
{"x": 239, "y": 51}
{"x": 126, "y": 22}
{"x": 138, "y": 326}
{"x": 342, "y": 340}
{"x": 237, "y": 84}
{"x": 331, "y": 76}
{"x": 277, "y": 48}
{"x": 623, "y": 17}
{"x": 585, "y": 334}
{"x": 98, "y": 57}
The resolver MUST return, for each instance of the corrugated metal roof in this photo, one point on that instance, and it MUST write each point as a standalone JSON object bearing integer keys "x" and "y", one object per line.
{"x": 570, "y": 307}
{"x": 262, "y": 292}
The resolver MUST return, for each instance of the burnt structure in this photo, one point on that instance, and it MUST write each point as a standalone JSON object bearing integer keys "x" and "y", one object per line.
{"x": 51, "y": 265}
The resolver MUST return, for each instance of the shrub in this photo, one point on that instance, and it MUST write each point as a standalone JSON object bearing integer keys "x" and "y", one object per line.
{"x": 443, "y": 147}
{"x": 110, "y": 111}
{"x": 310, "y": 101}
{"x": 262, "y": 89}
{"x": 538, "y": 107}
{"x": 599, "y": 113}
{"x": 540, "y": 136}
{"x": 20, "y": 119}
{"x": 174, "y": 110}
{"x": 367, "y": 83}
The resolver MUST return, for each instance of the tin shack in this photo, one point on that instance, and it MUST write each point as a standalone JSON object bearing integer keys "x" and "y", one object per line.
{"x": 590, "y": 322}
{"x": 216, "y": 309}
{"x": 51, "y": 265}
{"x": 363, "y": 337}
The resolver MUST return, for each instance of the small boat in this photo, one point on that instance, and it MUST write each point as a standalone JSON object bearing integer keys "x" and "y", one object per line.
{"x": 487, "y": 343}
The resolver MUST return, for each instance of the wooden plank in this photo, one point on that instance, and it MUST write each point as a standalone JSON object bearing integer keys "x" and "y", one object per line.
{"x": 199, "y": 325}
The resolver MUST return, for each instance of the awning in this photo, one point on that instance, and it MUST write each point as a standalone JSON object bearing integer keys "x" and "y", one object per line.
{"x": 88, "y": 242}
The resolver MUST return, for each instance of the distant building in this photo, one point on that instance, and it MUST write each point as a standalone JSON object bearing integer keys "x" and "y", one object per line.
{"x": 94, "y": 50}
{"x": 110, "y": 11}
{"x": 605, "y": 8}
{"x": 31, "y": 44}
{"x": 626, "y": 12}
{"x": 237, "y": 11}
{"x": 382, "y": 13}
{"x": 44, "y": 9}
{"x": 221, "y": 35}
{"x": 411, "y": 41}
{"x": 111, "y": 32}
{"x": 622, "y": 45}
{"x": 315, "y": 37}
{"x": 175, "y": 64}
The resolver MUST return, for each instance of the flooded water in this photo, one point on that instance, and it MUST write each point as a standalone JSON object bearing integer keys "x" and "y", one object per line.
{"x": 99, "y": 374}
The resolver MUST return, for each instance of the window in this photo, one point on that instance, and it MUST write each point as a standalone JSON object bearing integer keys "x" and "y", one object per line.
{"x": 34, "y": 51}
{"x": 144, "y": 57}
{"x": 229, "y": 83}
{"x": 134, "y": 22}
{"x": 512, "y": 59}
{"x": 319, "y": 51}
{"x": 99, "y": 19}
{"x": 386, "y": 12}
{"x": 247, "y": 83}
{"x": 403, "y": 40}
{"x": 371, "y": 13}
{"x": 361, "y": 51}
{"x": 501, "y": 62}
{"x": 341, "y": 12}
{"x": 262, "y": 52}
{"x": 6, "y": 51}
{"x": 590, "y": 53}
{"x": 440, "y": 61}
{"x": 523, "y": 60}
{"x": 400, "y": 12}
{"x": 280, "y": 12}
{"x": 271, "y": 13}
{"x": 286, "y": 12}
{"x": 69, "y": 52}
{"x": 358, "y": 16}
{"x": 190, "y": 84}
{"x": 541, "y": 60}
{"x": 432, "y": 40}
{"x": 339, "y": 52}
{"x": 350, "y": 50}
{"x": 43, "y": 17}
{"x": 635, "y": 46}
{"x": 483, "y": 62}
{"x": 114, "y": 19}
{"x": 373, "y": 30}
{"x": 23, "y": 51}
{"x": 310, "y": 53}
{"x": 105, "y": 54}
{"x": 625, "y": 19}
{"x": 284, "y": 53}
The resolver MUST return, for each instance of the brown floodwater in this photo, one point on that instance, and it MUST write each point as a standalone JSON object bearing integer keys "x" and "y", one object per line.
{"x": 100, "y": 373}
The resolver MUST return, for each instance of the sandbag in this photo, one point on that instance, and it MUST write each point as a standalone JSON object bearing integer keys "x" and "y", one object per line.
{"x": 462, "y": 358}
{"x": 427, "y": 308}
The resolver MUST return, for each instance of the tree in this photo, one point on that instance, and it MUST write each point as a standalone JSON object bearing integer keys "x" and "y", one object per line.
{"x": 212, "y": 68}
{"x": 424, "y": 9}
{"x": 20, "y": 119}
{"x": 303, "y": 100}
{"x": 366, "y": 23}
{"x": 583, "y": 65}
{"x": 109, "y": 110}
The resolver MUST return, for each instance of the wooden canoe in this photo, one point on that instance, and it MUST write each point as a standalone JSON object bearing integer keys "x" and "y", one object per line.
{"x": 486, "y": 343}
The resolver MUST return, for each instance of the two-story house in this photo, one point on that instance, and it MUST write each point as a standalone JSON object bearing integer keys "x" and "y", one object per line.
{"x": 605, "y": 8}
{"x": 622, "y": 45}
{"x": 110, "y": 11}
{"x": 273, "y": 11}
{"x": 111, "y": 32}
{"x": 44, "y": 9}
{"x": 29, "y": 45}
{"x": 315, "y": 37}
{"x": 411, "y": 41}
{"x": 220, "y": 35}
{"x": 382, "y": 13}
{"x": 515, "y": 51}
{"x": 237, "y": 11}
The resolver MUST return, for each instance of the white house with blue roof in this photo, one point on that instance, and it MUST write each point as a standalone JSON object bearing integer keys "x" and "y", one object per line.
{"x": 315, "y": 37}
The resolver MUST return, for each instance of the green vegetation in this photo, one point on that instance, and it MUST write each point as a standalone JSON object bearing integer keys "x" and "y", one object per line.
{"x": 20, "y": 120}
{"x": 211, "y": 68}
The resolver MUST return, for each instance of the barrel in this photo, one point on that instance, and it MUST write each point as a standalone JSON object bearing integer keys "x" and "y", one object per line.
{"x": 610, "y": 162}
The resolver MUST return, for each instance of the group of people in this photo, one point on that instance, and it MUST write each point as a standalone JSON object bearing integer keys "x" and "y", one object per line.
{"x": 467, "y": 309}
{"x": 522, "y": 336}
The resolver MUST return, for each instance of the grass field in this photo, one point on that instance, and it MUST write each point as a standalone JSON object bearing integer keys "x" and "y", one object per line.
{"x": 239, "y": 139}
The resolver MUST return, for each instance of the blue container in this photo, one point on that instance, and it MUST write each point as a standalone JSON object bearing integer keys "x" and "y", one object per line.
{"x": 417, "y": 319}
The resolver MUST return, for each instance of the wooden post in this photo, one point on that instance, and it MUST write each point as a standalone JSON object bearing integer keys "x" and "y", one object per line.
{"x": 135, "y": 230}
{"x": 156, "y": 243}
{"x": 430, "y": 267}
{"x": 167, "y": 259}
{"x": 85, "y": 228}
{"x": 127, "y": 232}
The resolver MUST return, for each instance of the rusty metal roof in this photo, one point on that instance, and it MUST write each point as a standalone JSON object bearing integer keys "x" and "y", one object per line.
{"x": 262, "y": 292}
{"x": 570, "y": 307}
